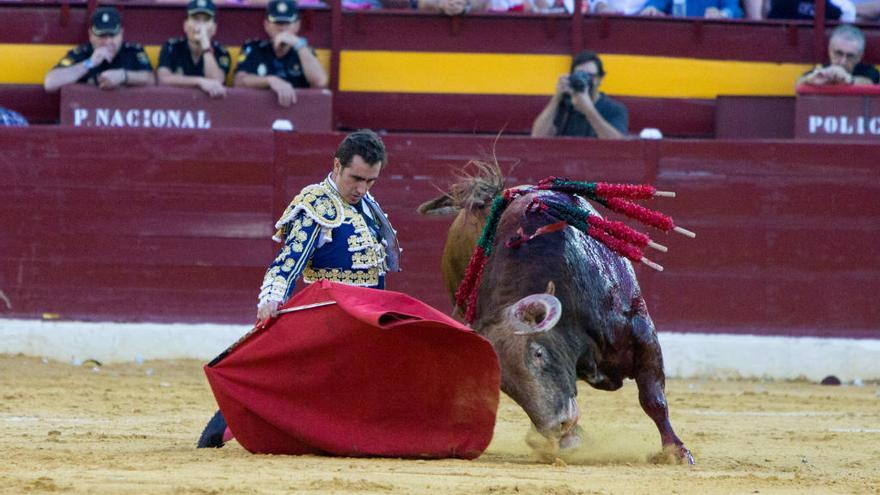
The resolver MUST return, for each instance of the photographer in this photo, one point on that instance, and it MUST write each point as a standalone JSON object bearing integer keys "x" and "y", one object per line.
{"x": 578, "y": 108}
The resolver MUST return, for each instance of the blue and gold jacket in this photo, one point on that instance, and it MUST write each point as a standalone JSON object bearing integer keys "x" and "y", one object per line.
{"x": 326, "y": 238}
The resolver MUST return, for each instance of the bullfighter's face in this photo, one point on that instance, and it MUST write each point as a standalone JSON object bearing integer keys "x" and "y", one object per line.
{"x": 356, "y": 179}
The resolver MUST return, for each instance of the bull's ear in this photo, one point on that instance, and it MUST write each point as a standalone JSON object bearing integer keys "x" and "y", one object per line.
{"x": 551, "y": 288}
{"x": 442, "y": 205}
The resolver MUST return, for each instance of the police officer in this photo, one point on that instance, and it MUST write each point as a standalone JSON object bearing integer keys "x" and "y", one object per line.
{"x": 105, "y": 60}
{"x": 196, "y": 60}
{"x": 282, "y": 62}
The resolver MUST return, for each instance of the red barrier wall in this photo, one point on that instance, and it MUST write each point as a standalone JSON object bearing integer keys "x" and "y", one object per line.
{"x": 174, "y": 225}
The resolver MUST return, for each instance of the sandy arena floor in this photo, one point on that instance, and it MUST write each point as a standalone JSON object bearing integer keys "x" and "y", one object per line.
{"x": 132, "y": 429}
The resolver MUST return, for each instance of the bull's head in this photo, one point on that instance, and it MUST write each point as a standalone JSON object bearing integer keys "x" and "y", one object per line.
{"x": 538, "y": 364}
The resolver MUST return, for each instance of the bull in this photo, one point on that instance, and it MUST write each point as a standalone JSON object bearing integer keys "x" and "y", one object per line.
{"x": 559, "y": 307}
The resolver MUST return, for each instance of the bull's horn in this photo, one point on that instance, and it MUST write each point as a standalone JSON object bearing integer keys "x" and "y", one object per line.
{"x": 534, "y": 314}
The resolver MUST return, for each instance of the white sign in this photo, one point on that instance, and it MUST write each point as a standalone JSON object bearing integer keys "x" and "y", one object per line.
{"x": 142, "y": 118}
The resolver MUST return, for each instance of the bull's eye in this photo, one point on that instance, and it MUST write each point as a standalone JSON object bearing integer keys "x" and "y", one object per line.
{"x": 539, "y": 353}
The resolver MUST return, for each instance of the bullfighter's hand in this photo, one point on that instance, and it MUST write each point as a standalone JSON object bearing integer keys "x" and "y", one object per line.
{"x": 284, "y": 90}
{"x": 214, "y": 88}
{"x": 110, "y": 79}
{"x": 267, "y": 310}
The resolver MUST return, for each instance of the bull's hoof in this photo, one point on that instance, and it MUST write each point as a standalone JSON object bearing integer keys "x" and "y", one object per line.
{"x": 685, "y": 455}
{"x": 673, "y": 454}
{"x": 212, "y": 436}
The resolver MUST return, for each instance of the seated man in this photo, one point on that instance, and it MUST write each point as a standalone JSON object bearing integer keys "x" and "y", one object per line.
{"x": 620, "y": 7}
{"x": 196, "y": 60}
{"x": 282, "y": 62}
{"x": 578, "y": 108}
{"x": 710, "y": 9}
{"x": 106, "y": 60}
{"x": 845, "y": 50}
{"x": 454, "y": 7}
{"x": 867, "y": 10}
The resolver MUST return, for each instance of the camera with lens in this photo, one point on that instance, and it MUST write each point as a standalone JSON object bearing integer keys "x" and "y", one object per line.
{"x": 581, "y": 81}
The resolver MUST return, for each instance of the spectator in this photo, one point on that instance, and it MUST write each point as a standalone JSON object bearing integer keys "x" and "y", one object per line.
{"x": 106, "y": 60}
{"x": 710, "y": 9}
{"x": 622, "y": 7}
{"x": 282, "y": 62}
{"x": 454, "y": 7}
{"x": 196, "y": 60}
{"x": 12, "y": 118}
{"x": 578, "y": 108}
{"x": 845, "y": 50}
{"x": 867, "y": 10}
{"x": 844, "y": 10}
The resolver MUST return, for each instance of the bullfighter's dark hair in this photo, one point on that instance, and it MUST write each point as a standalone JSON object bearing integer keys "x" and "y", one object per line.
{"x": 587, "y": 56}
{"x": 365, "y": 143}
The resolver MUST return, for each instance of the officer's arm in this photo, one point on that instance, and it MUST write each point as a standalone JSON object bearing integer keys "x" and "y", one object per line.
{"x": 68, "y": 71}
{"x": 212, "y": 68}
{"x": 165, "y": 76}
{"x": 246, "y": 70}
{"x": 168, "y": 78}
{"x": 139, "y": 77}
{"x": 62, "y": 76}
{"x": 293, "y": 257}
{"x": 248, "y": 80}
{"x": 312, "y": 68}
{"x": 138, "y": 71}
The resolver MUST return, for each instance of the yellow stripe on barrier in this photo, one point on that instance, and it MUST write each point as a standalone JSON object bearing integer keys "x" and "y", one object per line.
{"x": 520, "y": 74}
{"x": 490, "y": 73}
{"x": 666, "y": 77}
{"x": 28, "y": 64}
{"x": 460, "y": 73}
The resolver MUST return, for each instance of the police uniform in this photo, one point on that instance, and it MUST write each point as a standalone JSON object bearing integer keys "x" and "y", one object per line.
{"x": 176, "y": 56}
{"x": 131, "y": 56}
{"x": 258, "y": 57}
{"x": 326, "y": 238}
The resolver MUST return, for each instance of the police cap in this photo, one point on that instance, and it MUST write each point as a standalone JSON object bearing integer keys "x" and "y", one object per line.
{"x": 282, "y": 11}
{"x": 201, "y": 7}
{"x": 106, "y": 21}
